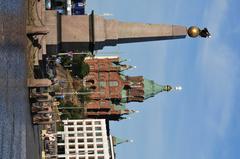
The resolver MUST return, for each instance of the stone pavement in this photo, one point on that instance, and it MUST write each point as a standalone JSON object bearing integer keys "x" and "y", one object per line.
{"x": 18, "y": 138}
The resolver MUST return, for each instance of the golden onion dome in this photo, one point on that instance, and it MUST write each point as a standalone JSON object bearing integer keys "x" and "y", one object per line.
{"x": 193, "y": 31}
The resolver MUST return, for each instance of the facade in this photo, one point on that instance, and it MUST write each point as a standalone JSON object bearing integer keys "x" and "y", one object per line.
{"x": 111, "y": 90}
{"x": 85, "y": 139}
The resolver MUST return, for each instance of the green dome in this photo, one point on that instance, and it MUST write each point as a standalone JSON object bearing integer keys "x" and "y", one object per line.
{"x": 151, "y": 88}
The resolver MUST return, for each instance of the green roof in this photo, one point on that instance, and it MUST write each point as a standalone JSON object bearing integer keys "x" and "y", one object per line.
{"x": 151, "y": 88}
{"x": 117, "y": 141}
{"x": 120, "y": 107}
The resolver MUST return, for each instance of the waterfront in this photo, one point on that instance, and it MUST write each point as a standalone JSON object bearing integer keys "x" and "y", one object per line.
{"x": 18, "y": 138}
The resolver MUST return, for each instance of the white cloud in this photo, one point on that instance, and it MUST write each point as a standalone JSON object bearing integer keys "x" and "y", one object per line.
{"x": 216, "y": 63}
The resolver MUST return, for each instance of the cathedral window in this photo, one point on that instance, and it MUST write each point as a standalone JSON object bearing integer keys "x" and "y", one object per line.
{"x": 101, "y": 66}
{"x": 113, "y": 83}
{"x": 102, "y": 83}
{"x": 102, "y": 103}
{"x": 91, "y": 67}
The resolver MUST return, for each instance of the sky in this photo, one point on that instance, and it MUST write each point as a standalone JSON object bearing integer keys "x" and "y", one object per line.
{"x": 201, "y": 121}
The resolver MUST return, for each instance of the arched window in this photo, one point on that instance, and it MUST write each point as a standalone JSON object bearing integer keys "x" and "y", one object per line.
{"x": 113, "y": 83}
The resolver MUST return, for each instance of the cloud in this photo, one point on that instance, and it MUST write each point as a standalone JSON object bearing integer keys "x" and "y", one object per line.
{"x": 217, "y": 67}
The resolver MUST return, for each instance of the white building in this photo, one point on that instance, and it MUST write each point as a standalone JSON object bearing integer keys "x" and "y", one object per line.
{"x": 85, "y": 139}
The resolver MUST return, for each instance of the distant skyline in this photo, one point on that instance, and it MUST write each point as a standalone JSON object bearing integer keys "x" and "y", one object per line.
{"x": 201, "y": 121}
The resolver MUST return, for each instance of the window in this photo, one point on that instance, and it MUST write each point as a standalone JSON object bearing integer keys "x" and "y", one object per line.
{"x": 81, "y": 152}
{"x": 98, "y": 128}
{"x": 91, "y": 67}
{"x": 80, "y": 140}
{"x": 98, "y": 134}
{"x": 89, "y": 134}
{"x": 99, "y": 146}
{"x": 99, "y": 139}
{"x": 70, "y": 123}
{"x": 102, "y": 84}
{"x": 91, "y": 157}
{"x": 80, "y": 134}
{"x": 72, "y": 152}
{"x": 102, "y": 91}
{"x": 79, "y": 123}
{"x": 80, "y": 129}
{"x": 71, "y": 146}
{"x": 90, "y": 146}
{"x": 70, "y": 129}
{"x": 81, "y": 146}
{"x": 71, "y": 141}
{"x": 89, "y": 128}
{"x": 113, "y": 83}
{"x": 88, "y": 123}
{"x": 90, "y": 140}
{"x": 100, "y": 151}
{"x": 101, "y": 66}
{"x": 71, "y": 135}
{"x": 97, "y": 123}
{"x": 102, "y": 76}
{"x": 100, "y": 157}
{"x": 102, "y": 103}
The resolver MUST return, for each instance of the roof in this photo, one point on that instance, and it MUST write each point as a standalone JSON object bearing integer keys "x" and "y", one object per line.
{"x": 151, "y": 88}
{"x": 117, "y": 141}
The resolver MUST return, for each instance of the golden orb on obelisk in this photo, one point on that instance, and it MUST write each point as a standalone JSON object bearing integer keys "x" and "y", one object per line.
{"x": 193, "y": 31}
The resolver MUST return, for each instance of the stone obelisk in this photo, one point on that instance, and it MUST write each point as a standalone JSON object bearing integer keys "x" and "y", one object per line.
{"x": 92, "y": 32}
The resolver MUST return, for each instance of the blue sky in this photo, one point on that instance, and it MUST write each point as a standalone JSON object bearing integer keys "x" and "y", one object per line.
{"x": 201, "y": 121}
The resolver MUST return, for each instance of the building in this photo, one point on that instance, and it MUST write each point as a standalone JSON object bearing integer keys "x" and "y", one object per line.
{"x": 111, "y": 90}
{"x": 86, "y": 139}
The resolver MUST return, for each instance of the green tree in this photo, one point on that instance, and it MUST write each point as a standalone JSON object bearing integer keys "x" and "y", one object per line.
{"x": 84, "y": 95}
{"x": 79, "y": 67}
{"x": 70, "y": 111}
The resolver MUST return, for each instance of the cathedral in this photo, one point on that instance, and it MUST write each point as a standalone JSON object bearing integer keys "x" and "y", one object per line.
{"x": 111, "y": 89}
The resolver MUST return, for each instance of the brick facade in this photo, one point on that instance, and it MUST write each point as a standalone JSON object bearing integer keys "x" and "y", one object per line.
{"x": 110, "y": 88}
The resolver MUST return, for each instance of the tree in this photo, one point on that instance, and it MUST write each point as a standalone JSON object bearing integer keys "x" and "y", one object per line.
{"x": 79, "y": 67}
{"x": 70, "y": 111}
{"x": 85, "y": 96}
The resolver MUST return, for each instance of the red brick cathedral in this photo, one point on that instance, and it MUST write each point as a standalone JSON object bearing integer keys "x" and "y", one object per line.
{"x": 111, "y": 89}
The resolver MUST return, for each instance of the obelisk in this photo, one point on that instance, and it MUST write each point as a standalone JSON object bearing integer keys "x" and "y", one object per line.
{"x": 92, "y": 32}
